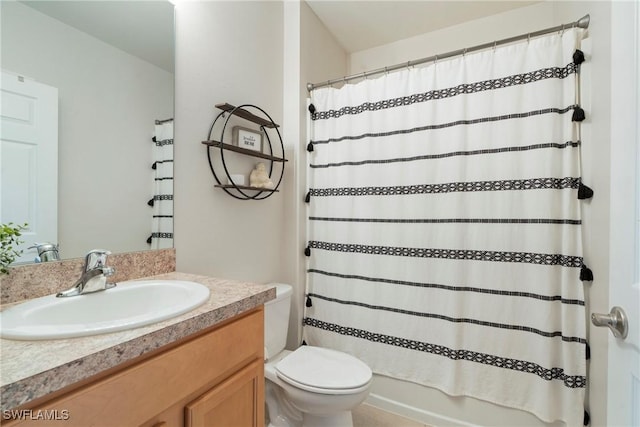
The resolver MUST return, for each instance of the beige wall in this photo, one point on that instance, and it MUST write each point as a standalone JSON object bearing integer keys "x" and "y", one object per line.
{"x": 216, "y": 234}
{"x": 108, "y": 101}
{"x": 431, "y": 405}
{"x": 320, "y": 58}
{"x": 226, "y": 51}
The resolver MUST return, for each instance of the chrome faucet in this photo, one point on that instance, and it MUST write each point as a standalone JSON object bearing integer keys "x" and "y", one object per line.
{"x": 46, "y": 252}
{"x": 94, "y": 275}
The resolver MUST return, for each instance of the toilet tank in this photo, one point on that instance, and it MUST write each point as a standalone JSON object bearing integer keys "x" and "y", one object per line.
{"x": 276, "y": 320}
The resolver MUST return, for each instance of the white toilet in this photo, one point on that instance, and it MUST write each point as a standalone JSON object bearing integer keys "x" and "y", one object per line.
{"x": 310, "y": 386}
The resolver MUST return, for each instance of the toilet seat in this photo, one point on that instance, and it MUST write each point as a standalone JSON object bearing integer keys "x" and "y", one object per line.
{"x": 322, "y": 370}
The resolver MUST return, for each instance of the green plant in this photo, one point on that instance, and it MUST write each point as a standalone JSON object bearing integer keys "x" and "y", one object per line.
{"x": 9, "y": 234}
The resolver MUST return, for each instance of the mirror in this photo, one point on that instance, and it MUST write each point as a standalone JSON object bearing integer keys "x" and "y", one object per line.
{"x": 112, "y": 64}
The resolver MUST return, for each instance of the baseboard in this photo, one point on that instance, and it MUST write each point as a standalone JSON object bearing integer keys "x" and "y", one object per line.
{"x": 417, "y": 414}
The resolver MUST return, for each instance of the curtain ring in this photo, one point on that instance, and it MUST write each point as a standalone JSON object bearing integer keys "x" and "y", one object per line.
{"x": 408, "y": 65}
{"x": 464, "y": 52}
{"x": 435, "y": 61}
{"x": 529, "y": 38}
{"x": 495, "y": 44}
{"x": 386, "y": 71}
{"x": 562, "y": 30}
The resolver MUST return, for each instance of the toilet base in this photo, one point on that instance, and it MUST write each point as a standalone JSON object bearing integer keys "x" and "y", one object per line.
{"x": 282, "y": 413}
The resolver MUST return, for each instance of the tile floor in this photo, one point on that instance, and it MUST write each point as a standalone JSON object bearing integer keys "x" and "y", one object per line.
{"x": 369, "y": 416}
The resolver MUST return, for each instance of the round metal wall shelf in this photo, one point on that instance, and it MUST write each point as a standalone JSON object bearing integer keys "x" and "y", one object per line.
{"x": 244, "y": 192}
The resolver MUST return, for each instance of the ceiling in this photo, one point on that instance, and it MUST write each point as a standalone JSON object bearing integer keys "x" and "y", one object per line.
{"x": 145, "y": 28}
{"x": 141, "y": 28}
{"x": 363, "y": 24}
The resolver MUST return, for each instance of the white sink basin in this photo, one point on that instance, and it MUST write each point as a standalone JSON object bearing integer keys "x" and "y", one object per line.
{"x": 129, "y": 305}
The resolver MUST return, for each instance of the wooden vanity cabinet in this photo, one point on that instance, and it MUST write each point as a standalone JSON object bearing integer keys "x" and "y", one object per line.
{"x": 214, "y": 379}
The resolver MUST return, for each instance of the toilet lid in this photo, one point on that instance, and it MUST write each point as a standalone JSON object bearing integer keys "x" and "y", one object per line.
{"x": 323, "y": 368}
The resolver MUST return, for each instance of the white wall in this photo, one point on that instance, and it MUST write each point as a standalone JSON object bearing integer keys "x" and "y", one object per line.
{"x": 430, "y": 405}
{"x": 226, "y": 51}
{"x": 456, "y": 37}
{"x": 108, "y": 101}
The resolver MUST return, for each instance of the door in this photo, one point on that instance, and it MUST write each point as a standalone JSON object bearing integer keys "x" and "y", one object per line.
{"x": 29, "y": 160}
{"x": 623, "y": 408}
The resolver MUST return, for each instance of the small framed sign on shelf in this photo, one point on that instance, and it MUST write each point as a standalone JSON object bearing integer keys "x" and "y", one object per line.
{"x": 247, "y": 138}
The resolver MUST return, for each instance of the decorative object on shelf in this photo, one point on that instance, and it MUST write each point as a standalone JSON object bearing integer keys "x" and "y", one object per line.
{"x": 265, "y": 181}
{"x": 259, "y": 177}
{"x": 247, "y": 138}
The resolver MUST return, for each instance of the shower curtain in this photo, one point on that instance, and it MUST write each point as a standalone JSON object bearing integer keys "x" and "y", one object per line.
{"x": 162, "y": 201}
{"x": 444, "y": 226}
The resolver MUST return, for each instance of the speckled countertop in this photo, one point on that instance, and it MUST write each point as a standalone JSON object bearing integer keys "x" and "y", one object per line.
{"x": 32, "y": 369}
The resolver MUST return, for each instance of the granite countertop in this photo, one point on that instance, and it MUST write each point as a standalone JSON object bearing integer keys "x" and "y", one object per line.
{"x": 32, "y": 369}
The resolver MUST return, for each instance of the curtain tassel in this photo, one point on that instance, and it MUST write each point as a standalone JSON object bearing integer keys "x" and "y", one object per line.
{"x": 578, "y": 57}
{"x": 587, "y": 419}
{"x": 307, "y": 251}
{"x": 312, "y": 108}
{"x": 307, "y": 198}
{"x": 587, "y": 352}
{"x": 310, "y": 147}
{"x": 149, "y": 239}
{"x": 151, "y": 202}
{"x": 584, "y": 192}
{"x": 308, "y": 303}
{"x": 578, "y": 114}
{"x": 586, "y": 275}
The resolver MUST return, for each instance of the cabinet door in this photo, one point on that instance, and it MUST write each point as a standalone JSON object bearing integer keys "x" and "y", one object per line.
{"x": 236, "y": 402}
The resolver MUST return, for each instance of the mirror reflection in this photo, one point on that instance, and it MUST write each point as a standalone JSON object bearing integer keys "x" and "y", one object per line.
{"x": 105, "y": 69}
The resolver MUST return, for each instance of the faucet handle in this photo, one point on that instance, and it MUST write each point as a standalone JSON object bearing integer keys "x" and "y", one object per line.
{"x": 96, "y": 258}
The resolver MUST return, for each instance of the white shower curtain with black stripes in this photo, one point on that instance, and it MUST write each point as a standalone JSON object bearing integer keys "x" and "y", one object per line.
{"x": 444, "y": 226}
{"x": 162, "y": 202}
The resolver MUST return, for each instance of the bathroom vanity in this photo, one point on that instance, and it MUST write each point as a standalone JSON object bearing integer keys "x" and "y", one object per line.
{"x": 202, "y": 368}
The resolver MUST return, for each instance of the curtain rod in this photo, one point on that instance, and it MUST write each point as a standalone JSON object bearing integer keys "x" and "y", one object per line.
{"x": 580, "y": 23}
